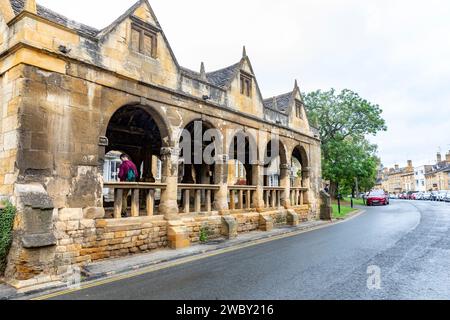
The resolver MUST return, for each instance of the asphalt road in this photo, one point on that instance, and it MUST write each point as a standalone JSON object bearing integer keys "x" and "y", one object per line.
{"x": 408, "y": 241}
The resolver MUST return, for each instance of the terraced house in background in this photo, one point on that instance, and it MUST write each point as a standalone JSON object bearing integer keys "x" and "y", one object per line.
{"x": 73, "y": 97}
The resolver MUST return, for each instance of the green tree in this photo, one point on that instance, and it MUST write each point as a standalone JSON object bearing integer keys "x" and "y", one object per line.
{"x": 344, "y": 120}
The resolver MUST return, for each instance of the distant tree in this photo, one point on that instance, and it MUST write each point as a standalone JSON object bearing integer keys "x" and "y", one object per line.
{"x": 344, "y": 120}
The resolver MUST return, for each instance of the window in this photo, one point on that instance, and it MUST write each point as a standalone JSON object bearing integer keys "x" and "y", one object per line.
{"x": 246, "y": 85}
{"x": 298, "y": 109}
{"x": 143, "y": 41}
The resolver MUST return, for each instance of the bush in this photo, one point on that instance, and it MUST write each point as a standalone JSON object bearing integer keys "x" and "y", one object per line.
{"x": 7, "y": 216}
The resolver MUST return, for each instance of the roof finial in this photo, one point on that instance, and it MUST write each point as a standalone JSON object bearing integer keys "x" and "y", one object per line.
{"x": 244, "y": 52}
{"x": 202, "y": 71}
{"x": 296, "y": 85}
{"x": 30, "y": 6}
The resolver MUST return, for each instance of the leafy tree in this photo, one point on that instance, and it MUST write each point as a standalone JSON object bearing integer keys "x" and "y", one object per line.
{"x": 344, "y": 120}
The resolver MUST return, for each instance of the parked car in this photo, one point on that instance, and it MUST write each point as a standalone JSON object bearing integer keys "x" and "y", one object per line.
{"x": 447, "y": 197}
{"x": 442, "y": 194}
{"x": 378, "y": 198}
{"x": 434, "y": 195}
{"x": 419, "y": 196}
{"x": 426, "y": 196}
{"x": 414, "y": 196}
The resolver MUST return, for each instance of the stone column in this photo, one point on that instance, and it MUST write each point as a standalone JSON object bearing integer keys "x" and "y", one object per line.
{"x": 169, "y": 196}
{"x": 285, "y": 182}
{"x": 258, "y": 181}
{"x": 306, "y": 183}
{"x": 221, "y": 179}
{"x": 148, "y": 168}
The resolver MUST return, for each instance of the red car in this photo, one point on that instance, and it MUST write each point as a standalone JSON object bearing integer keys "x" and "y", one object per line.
{"x": 378, "y": 198}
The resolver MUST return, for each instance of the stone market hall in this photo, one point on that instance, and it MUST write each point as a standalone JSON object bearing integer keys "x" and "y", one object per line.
{"x": 73, "y": 98}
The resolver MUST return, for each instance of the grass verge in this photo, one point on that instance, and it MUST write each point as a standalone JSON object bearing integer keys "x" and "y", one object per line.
{"x": 345, "y": 211}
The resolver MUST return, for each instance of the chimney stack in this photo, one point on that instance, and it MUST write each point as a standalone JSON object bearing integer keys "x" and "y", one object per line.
{"x": 439, "y": 158}
{"x": 447, "y": 157}
{"x": 396, "y": 167}
{"x": 410, "y": 164}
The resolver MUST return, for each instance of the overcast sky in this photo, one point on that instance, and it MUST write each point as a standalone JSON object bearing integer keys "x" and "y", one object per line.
{"x": 393, "y": 53}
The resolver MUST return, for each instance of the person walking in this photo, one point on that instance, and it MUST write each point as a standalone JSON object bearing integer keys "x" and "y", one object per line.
{"x": 127, "y": 173}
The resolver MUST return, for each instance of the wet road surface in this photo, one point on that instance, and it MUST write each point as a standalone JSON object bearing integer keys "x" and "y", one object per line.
{"x": 408, "y": 242}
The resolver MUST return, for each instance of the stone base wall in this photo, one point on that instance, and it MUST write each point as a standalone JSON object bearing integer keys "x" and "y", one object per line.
{"x": 85, "y": 241}
{"x": 212, "y": 226}
{"x": 84, "y": 236}
{"x": 247, "y": 222}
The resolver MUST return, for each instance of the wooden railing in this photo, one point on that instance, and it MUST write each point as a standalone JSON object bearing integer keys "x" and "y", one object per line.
{"x": 272, "y": 197}
{"x": 120, "y": 189}
{"x": 203, "y": 197}
{"x": 244, "y": 195}
{"x": 298, "y": 196}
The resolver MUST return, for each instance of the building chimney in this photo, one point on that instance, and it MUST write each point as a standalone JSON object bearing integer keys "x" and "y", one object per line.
{"x": 439, "y": 157}
{"x": 396, "y": 167}
{"x": 410, "y": 164}
{"x": 447, "y": 157}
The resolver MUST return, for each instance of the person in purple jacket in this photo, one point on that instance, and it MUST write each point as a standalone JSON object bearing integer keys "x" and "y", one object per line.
{"x": 127, "y": 170}
{"x": 127, "y": 173}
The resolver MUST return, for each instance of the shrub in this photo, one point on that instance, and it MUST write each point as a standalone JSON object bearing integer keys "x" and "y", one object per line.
{"x": 203, "y": 235}
{"x": 7, "y": 216}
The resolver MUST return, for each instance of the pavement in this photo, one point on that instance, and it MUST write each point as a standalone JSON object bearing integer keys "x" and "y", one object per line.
{"x": 161, "y": 258}
{"x": 397, "y": 252}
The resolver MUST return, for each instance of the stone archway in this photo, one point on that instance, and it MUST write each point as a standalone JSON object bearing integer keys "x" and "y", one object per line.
{"x": 139, "y": 132}
{"x": 276, "y": 160}
{"x": 195, "y": 168}
{"x": 300, "y": 165}
{"x": 244, "y": 150}
{"x": 300, "y": 171}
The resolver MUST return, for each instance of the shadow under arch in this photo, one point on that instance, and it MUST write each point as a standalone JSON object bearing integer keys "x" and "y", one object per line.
{"x": 141, "y": 133}
{"x": 156, "y": 116}
{"x": 193, "y": 146}
{"x": 301, "y": 174}
{"x": 275, "y": 156}
{"x": 244, "y": 149}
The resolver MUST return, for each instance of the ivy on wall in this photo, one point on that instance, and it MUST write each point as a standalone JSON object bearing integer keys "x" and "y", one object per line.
{"x": 7, "y": 215}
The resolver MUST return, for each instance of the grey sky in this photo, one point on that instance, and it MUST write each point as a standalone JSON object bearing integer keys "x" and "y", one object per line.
{"x": 394, "y": 53}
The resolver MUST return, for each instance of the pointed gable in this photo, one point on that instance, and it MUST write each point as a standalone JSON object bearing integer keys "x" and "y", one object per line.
{"x": 288, "y": 109}
{"x": 136, "y": 43}
{"x": 145, "y": 13}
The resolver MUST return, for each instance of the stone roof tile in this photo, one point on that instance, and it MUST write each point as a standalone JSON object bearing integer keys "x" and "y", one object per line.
{"x": 279, "y": 103}
{"x": 43, "y": 12}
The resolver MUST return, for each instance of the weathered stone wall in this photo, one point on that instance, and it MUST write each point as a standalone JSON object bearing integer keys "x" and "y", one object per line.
{"x": 212, "y": 226}
{"x": 11, "y": 89}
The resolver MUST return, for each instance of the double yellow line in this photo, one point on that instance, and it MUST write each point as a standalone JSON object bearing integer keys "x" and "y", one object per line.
{"x": 97, "y": 283}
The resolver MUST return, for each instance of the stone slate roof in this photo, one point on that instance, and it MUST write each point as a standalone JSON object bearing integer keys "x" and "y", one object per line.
{"x": 18, "y": 5}
{"x": 190, "y": 73}
{"x": 279, "y": 103}
{"x": 221, "y": 78}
